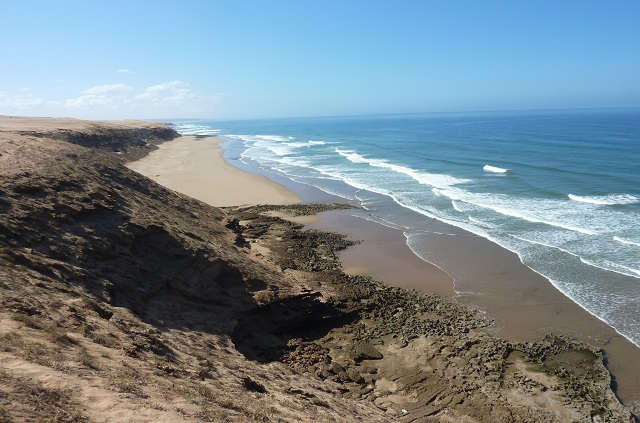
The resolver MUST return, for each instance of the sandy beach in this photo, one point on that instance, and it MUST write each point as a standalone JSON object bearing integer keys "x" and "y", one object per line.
{"x": 524, "y": 305}
{"x": 195, "y": 166}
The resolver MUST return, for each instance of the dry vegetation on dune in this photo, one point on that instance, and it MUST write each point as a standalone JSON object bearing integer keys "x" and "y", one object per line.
{"x": 121, "y": 300}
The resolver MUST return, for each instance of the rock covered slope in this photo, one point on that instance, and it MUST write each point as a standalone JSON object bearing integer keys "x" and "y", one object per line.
{"x": 123, "y": 301}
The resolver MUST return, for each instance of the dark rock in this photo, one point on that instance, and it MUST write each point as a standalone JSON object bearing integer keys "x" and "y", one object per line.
{"x": 366, "y": 351}
{"x": 251, "y": 385}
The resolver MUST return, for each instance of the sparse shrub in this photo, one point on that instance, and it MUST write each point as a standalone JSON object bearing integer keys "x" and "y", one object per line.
{"x": 129, "y": 387}
{"x": 104, "y": 339}
{"x": 58, "y": 335}
{"x": 88, "y": 361}
{"x": 100, "y": 309}
{"x": 30, "y": 321}
{"x": 264, "y": 297}
{"x": 10, "y": 340}
{"x": 251, "y": 385}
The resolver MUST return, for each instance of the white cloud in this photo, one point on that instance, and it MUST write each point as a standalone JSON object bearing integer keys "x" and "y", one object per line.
{"x": 124, "y": 71}
{"x": 21, "y": 101}
{"x": 171, "y": 99}
{"x": 167, "y": 92}
{"x": 107, "y": 88}
{"x": 88, "y": 100}
{"x": 99, "y": 95}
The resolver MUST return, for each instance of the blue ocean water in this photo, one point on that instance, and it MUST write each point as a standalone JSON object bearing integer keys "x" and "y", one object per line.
{"x": 560, "y": 189}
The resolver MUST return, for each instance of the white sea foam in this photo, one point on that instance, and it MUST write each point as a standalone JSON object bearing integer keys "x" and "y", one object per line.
{"x": 480, "y": 222}
{"x": 276, "y": 144}
{"x": 424, "y": 178}
{"x": 466, "y": 197}
{"x": 607, "y": 265}
{"x": 494, "y": 169}
{"x": 276, "y": 138}
{"x": 193, "y": 129}
{"x": 606, "y": 200}
{"x": 455, "y": 205}
{"x": 626, "y": 241}
{"x": 352, "y": 156}
{"x": 379, "y": 220}
{"x": 566, "y": 292}
{"x": 306, "y": 144}
{"x": 630, "y": 269}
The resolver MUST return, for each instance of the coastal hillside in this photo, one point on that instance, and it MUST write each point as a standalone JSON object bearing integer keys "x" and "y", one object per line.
{"x": 121, "y": 300}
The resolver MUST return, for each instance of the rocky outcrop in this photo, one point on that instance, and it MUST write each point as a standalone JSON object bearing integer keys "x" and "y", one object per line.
{"x": 428, "y": 356}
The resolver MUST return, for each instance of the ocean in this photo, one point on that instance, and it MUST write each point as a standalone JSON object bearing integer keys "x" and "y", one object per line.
{"x": 561, "y": 189}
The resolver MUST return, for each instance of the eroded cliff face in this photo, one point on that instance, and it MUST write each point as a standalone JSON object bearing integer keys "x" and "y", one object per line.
{"x": 122, "y": 300}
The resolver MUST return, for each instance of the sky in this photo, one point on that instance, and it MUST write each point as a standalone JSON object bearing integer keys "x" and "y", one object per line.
{"x": 261, "y": 59}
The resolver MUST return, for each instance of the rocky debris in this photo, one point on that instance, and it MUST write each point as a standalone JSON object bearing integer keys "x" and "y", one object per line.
{"x": 298, "y": 209}
{"x": 365, "y": 351}
{"x": 309, "y": 250}
{"x": 237, "y": 228}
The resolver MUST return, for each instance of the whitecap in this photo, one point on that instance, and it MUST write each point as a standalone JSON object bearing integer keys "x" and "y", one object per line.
{"x": 306, "y": 144}
{"x": 463, "y": 196}
{"x": 605, "y": 200}
{"x": 278, "y": 150}
{"x": 424, "y": 178}
{"x": 494, "y": 169}
{"x": 480, "y": 222}
{"x": 626, "y": 241}
{"x": 456, "y": 206}
{"x": 192, "y": 129}
{"x": 272, "y": 138}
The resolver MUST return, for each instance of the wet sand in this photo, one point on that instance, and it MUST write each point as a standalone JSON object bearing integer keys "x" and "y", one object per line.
{"x": 524, "y": 304}
{"x": 383, "y": 254}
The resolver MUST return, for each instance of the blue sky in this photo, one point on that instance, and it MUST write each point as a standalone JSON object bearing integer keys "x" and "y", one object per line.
{"x": 219, "y": 59}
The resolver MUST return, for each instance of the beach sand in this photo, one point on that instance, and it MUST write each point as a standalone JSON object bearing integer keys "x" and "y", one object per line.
{"x": 195, "y": 166}
{"x": 525, "y": 305}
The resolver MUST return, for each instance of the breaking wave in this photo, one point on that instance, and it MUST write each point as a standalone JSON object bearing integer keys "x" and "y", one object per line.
{"x": 432, "y": 179}
{"x": 605, "y": 200}
{"x": 626, "y": 241}
{"x": 494, "y": 169}
{"x": 194, "y": 129}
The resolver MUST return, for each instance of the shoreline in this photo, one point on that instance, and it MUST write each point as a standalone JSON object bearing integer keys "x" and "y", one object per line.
{"x": 511, "y": 322}
{"x": 194, "y": 165}
{"x": 541, "y": 308}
